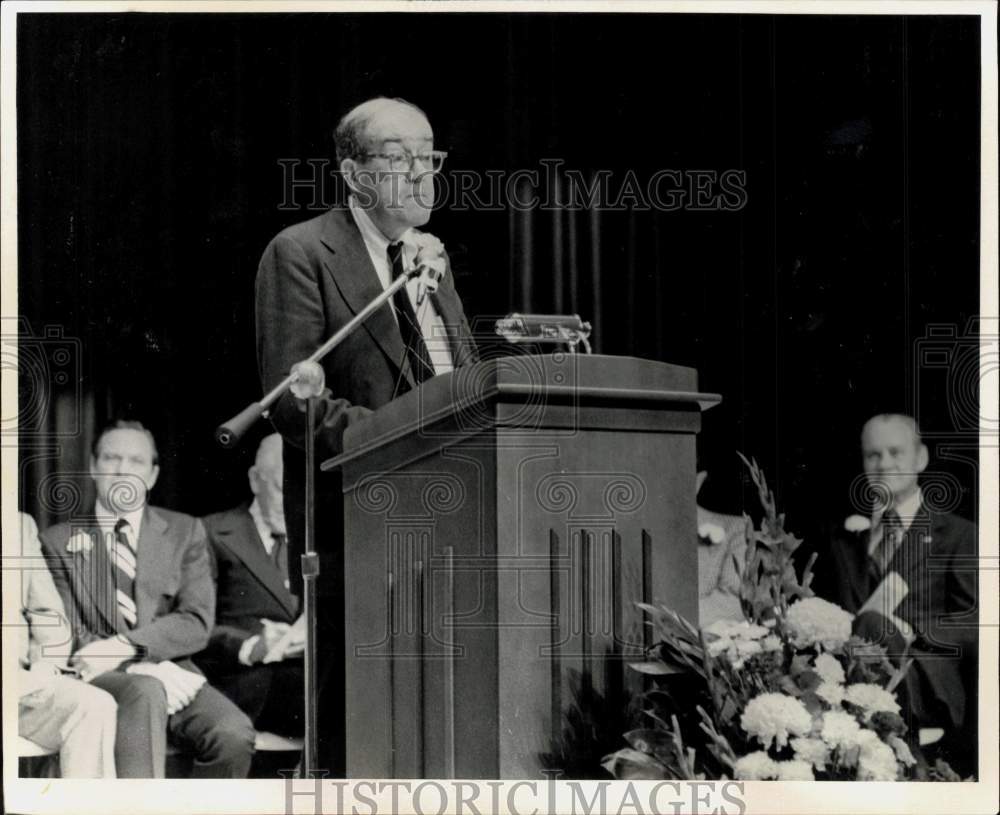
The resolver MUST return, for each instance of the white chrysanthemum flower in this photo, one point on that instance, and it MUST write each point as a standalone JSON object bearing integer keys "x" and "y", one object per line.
{"x": 747, "y": 648}
{"x": 877, "y": 762}
{"x": 736, "y": 629}
{"x": 719, "y": 646}
{"x": 736, "y": 640}
{"x": 829, "y": 668}
{"x": 795, "y": 770}
{"x": 839, "y": 729}
{"x": 902, "y": 750}
{"x": 871, "y": 698}
{"x": 774, "y": 716}
{"x": 770, "y": 643}
{"x": 831, "y": 693}
{"x": 815, "y": 621}
{"x": 812, "y": 750}
{"x": 865, "y": 738}
{"x": 721, "y": 628}
{"x": 757, "y": 766}
{"x": 711, "y": 532}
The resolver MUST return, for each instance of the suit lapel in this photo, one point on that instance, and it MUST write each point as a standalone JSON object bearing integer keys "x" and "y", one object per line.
{"x": 153, "y": 560}
{"x": 242, "y": 540}
{"x": 910, "y": 558}
{"x": 350, "y": 266}
{"x": 852, "y": 560}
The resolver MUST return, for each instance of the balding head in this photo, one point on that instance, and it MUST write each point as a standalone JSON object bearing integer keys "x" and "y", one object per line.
{"x": 266, "y": 482}
{"x": 269, "y": 454}
{"x": 359, "y": 127}
{"x": 900, "y": 419}
{"x": 385, "y": 149}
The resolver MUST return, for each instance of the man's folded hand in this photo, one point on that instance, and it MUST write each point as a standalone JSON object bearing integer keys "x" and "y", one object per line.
{"x": 102, "y": 656}
{"x": 291, "y": 644}
{"x": 180, "y": 685}
{"x": 886, "y": 630}
{"x": 256, "y": 649}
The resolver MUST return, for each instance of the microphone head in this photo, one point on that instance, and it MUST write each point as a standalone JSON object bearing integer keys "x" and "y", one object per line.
{"x": 431, "y": 274}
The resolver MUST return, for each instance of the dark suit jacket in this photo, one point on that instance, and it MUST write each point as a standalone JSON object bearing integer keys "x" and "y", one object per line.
{"x": 249, "y": 587}
{"x": 174, "y": 592}
{"x": 313, "y": 278}
{"x": 937, "y": 559}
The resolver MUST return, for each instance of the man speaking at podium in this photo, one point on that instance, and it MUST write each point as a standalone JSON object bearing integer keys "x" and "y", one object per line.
{"x": 313, "y": 278}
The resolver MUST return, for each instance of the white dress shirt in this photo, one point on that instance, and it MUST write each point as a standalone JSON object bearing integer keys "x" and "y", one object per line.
{"x": 263, "y": 530}
{"x": 431, "y": 325}
{"x": 907, "y": 511}
{"x": 106, "y": 520}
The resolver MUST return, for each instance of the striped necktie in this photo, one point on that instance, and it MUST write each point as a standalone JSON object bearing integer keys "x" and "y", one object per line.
{"x": 279, "y": 554}
{"x": 123, "y": 563}
{"x": 417, "y": 355}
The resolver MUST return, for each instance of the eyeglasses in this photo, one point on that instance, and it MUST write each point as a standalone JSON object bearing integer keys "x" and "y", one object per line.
{"x": 402, "y": 161}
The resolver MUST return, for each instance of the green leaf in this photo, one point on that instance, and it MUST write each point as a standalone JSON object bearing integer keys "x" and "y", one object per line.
{"x": 808, "y": 680}
{"x": 627, "y": 764}
{"x": 787, "y": 684}
{"x": 658, "y": 743}
{"x": 729, "y": 709}
{"x": 656, "y": 668}
{"x": 813, "y": 703}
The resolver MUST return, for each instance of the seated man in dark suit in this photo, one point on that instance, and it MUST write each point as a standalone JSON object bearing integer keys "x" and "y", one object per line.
{"x": 909, "y": 574}
{"x": 136, "y": 583}
{"x": 254, "y": 655}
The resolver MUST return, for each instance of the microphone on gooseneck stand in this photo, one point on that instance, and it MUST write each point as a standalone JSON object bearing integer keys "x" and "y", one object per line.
{"x": 429, "y": 275}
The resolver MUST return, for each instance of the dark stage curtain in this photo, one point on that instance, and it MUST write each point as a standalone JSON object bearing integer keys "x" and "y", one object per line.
{"x": 150, "y": 152}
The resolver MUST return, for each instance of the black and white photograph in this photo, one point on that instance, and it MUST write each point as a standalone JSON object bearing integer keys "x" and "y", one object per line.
{"x": 459, "y": 407}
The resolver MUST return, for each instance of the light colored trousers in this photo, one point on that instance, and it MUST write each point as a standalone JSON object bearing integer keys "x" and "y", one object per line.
{"x": 76, "y": 719}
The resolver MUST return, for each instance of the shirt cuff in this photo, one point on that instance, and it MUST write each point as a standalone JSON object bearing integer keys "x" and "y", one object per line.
{"x": 247, "y": 648}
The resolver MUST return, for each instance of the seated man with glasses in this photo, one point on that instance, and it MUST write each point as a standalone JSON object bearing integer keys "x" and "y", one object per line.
{"x": 313, "y": 278}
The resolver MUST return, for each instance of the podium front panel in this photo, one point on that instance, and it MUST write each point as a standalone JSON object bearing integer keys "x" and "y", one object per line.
{"x": 491, "y": 577}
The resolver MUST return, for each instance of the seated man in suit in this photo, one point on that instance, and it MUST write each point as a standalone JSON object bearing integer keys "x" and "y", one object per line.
{"x": 909, "y": 574}
{"x": 56, "y": 710}
{"x": 137, "y": 583}
{"x": 252, "y": 655}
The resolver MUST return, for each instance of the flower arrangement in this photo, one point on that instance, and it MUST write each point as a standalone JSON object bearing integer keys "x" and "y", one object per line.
{"x": 429, "y": 251}
{"x": 787, "y": 693}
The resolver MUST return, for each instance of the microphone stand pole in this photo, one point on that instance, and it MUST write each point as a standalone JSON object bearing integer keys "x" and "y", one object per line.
{"x": 310, "y": 571}
{"x": 229, "y": 434}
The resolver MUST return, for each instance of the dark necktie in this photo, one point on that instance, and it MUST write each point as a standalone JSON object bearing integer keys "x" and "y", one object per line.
{"x": 123, "y": 561}
{"x": 892, "y": 535}
{"x": 279, "y": 555}
{"x": 409, "y": 328}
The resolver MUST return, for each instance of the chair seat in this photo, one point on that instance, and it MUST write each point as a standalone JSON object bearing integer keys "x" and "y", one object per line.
{"x": 272, "y": 742}
{"x": 263, "y": 742}
{"x": 28, "y": 749}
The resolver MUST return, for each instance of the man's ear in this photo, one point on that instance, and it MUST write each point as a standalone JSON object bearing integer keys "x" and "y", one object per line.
{"x": 152, "y": 479}
{"x": 923, "y": 457}
{"x": 253, "y": 476}
{"x": 348, "y": 167}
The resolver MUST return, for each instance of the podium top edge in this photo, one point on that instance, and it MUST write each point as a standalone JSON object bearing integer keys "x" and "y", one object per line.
{"x": 560, "y": 378}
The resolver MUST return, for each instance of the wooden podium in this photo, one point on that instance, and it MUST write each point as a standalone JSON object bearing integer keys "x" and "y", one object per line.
{"x": 500, "y": 522}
